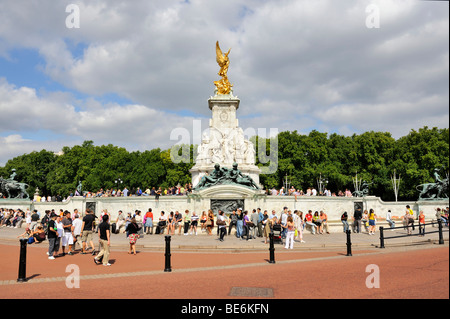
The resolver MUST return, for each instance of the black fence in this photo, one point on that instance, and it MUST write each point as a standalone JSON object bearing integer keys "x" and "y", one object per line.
{"x": 423, "y": 230}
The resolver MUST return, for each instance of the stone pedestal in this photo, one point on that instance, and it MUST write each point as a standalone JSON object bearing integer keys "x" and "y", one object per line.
{"x": 225, "y": 143}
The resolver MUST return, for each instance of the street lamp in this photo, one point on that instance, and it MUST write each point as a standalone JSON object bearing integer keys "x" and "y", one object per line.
{"x": 356, "y": 183}
{"x": 321, "y": 183}
{"x": 286, "y": 184}
{"x": 118, "y": 181}
{"x": 395, "y": 184}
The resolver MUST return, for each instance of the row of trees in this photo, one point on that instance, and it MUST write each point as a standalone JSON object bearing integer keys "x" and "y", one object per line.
{"x": 374, "y": 155}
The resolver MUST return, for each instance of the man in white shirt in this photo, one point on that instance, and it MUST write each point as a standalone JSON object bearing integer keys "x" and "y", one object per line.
{"x": 76, "y": 231}
{"x": 389, "y": 219}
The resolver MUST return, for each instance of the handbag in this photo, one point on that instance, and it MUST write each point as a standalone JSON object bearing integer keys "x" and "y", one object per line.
{"x": 221, "y": 222}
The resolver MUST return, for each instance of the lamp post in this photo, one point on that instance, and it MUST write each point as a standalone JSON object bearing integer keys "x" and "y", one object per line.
{"x": 395, "y": 184}
{"x": 356, "y": 183}
{"x": 321, "y": 183}
{"x": 118, "y": 181}
{"x": 286, "y": 184}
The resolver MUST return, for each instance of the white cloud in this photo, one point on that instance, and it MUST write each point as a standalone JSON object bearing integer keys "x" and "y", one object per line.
{"x": 135, "y": 127}
{"x": 294, "y": 64}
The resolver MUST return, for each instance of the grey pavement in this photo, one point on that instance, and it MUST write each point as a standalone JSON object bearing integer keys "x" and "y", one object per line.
{"x": 203, "y": 242}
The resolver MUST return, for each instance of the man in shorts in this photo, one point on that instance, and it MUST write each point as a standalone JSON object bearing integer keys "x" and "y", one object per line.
{"x": 67, "y": 238}
{"x": 87, "y": 227}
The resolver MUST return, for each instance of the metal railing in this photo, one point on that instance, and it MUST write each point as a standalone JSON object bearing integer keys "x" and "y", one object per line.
{"x": 422, "y": 231}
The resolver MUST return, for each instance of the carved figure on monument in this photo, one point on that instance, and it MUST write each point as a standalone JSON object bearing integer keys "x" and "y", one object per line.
{"x": 216, "y": 152}
{"x": 228, "y": 151}
{"x": 436, "y": 190}
{"x": 203, "y": 156}
{"x": 250, "y": 153}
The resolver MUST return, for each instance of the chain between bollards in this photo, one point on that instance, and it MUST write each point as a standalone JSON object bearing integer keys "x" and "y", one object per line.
{"x": 271, "y": 249}
{"x": 168, "y": 267}
{"x": 349, "y": 243}
{"x": 23, "y": 261}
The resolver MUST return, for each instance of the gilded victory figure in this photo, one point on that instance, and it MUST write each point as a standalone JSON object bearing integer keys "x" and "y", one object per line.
{"x": 223, "y": 85}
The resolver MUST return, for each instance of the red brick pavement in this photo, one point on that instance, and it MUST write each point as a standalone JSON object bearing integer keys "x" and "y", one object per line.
{"x": 416, "y": 273}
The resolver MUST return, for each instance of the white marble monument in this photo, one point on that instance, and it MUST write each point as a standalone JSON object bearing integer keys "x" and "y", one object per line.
{"x": 225, "y": 143}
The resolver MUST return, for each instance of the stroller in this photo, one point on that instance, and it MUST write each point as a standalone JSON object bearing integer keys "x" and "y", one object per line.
{"x": 276, "y": 230}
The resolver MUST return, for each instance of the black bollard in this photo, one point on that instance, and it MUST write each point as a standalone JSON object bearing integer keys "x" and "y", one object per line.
{"x": 349, "y": 243}
{"x": 381, "y": 237}
{"x": 271, "y": 249}
{"x": 23, "y": 261}
{"x": 441, "y": 238}
{"x": 168, "y": 267}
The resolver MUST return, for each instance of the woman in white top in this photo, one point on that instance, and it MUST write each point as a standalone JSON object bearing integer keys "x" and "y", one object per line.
{"x": 298, "y": 221}
{"x": 28, "y": 218}
{"x": 290, "y": 233}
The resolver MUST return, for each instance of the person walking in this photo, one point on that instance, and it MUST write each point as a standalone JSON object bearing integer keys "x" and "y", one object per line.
{"x": 87, "y": 228}
{"x": 132, "y": 231}
{"x": 104, "y": 239}
{"x": 76, "y": 231}
{"x": 222, "y": 224}
{"x": 52, "y": 236}
{"x": 372, "y": 221}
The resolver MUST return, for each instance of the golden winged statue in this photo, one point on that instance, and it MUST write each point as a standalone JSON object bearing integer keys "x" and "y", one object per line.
{"x": 223, "y": 85}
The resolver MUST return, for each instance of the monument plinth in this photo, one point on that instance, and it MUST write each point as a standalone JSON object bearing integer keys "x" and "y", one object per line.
{"x": 226, "y": 143}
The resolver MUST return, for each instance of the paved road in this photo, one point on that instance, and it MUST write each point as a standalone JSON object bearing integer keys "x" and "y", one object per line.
{"x": 203, "y": 242}
{"x": 201, "y": 270}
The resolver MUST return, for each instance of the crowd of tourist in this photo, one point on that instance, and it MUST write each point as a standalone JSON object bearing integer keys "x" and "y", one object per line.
{"x": 66, "y": 230}
{"x": 310, "y": 191}
{"x": 181, "y": 190}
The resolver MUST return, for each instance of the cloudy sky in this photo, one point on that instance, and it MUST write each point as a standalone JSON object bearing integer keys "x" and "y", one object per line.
{"x": 135, "y": 70}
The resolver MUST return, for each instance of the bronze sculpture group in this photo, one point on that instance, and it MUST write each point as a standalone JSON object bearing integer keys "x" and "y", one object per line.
{"x": 11, "y": 188}
{"x": 226, "y": 176}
